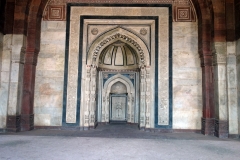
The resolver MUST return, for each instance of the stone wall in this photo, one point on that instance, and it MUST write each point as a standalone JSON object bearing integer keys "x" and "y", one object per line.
{"x": 187, "y": 77}
{"x": 49, "y": 75}
{"x": 187, "y": 93}
{"x": 5, "y": 52}
{"x": 238, "y": 81}
{"x": 232, "y": 87}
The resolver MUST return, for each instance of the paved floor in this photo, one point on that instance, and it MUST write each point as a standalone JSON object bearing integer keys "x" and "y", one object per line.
{"x": 115, "y": 142}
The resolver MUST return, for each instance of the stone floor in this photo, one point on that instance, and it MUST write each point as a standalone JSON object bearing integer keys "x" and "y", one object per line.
{"x": 115, "y": 142}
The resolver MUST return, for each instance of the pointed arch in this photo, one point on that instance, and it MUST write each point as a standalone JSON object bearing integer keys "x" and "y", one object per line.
{"x": 114, "y": 35}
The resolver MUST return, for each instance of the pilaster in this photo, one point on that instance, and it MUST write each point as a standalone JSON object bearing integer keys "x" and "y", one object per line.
{"x": 13, "y": 123}
{"x": 232, "y": 88}
{"x": 238, "y": 91}
{"x": 15, "y": 81}
{"x": 221, "y": 128}
{"x": 220, "y": 90}
{"x": 208, "y": 126}
{"x": 27, "y": 119}
{"x": 142, "y": 123}
{"x": 208, "y": 99}
{"x": 27, "y": 122}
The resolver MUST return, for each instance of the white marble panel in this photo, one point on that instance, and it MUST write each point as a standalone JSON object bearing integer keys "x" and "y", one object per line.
{"x": 42, "y": 119}
{"x": 49, "y": 74}
{"x": 187, "y": 77}
{"x": 53, "y": 26}
{"x": 4, "y": 90}
{"x": 13, "y": 99}
{"x": 188, "y": 119}
{"x": 232, "y": 87}
{"x": 6, "y": 60}
{"x": 16, "y": 72}
{"x": 53, "y": 115}
{"x": 52, "y": 100}
{"x": 53, "y": 38}
{"x": 220, "y": 81}
{"x": 5, "y": 50}
{"x": 3, "y": 121}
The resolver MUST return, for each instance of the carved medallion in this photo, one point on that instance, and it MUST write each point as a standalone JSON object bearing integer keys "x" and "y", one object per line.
{"x": 143, "y": 31}
{"x": 94, "y": 31}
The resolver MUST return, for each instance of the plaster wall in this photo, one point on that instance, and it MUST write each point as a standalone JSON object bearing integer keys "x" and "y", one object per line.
{"x": 49, "y": 75}
{"x": 187, "y": 77}
{"x": 187, "y": 86}
{"x": 5, "y": 59}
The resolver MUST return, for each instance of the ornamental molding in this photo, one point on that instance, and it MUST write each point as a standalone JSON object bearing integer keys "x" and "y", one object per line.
{"x": 119, "y": 36}
{"x": 183, "y": 10}
{"x": 219, "y": 59}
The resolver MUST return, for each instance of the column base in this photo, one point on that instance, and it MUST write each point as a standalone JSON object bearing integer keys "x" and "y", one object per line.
{"x": 27, "y": 122}
{"x": 207, "y": 126}
{"x": 221, "y": 129}
{"x": 13, "y": 123}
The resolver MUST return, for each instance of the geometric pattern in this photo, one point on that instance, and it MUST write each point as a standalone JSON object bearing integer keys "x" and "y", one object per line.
{"x": 183, "y": 10}
{"x": 183, "y": 14}
{"x": 55, "y": 13}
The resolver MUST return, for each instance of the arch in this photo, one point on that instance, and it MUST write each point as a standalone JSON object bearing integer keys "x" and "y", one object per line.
{"x": 33, "y": 42}
{"x": 35, "y": 8}
{"x": 106, "y": 92}
{"x": 117, "y": 78}
{"x": 115, "y": 35}
{"x": 205, "y": 14}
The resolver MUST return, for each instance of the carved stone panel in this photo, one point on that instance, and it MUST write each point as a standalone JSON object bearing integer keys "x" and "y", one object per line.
{"x": 140, "y": 104}
{"x": 183, "y": 10}
{"x": 118, "y": 108}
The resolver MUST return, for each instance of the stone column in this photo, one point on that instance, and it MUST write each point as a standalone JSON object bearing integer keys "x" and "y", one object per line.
{"x": 5, "y": 59}
{"x": 15, "y": 83}
{"x": 142, "y": 98}
{"x": 232, "y": 88}
{"x": 87, "y": 97}
{"x": 27, "y": 116}
{"x": 93, "y": 89}
{"x": 207, "y": 88}
{"x": 148, "y": 97}
{"x": 238, "y": 88}
{"x": 220, "y": 91}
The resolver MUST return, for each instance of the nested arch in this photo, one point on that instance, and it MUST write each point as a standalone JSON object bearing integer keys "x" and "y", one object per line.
{"x": 118, "y": 78}
{"x": 112, "y": 36}
{"x": 106, "y": 95}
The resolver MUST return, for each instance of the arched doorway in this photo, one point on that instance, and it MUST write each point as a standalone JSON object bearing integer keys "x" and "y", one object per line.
{"x": 119, "y": 83}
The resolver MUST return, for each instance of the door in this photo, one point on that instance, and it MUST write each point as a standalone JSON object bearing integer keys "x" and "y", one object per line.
{"x": 118, "y": 107}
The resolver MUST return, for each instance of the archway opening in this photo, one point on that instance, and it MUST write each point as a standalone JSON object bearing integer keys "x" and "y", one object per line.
{"x": 118, "y": 87}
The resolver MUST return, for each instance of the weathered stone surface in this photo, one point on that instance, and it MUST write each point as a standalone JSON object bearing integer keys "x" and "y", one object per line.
{"x": 187, "y": 75}
{"x": 49, "y": 74}
{"x": 42, "y": 119}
